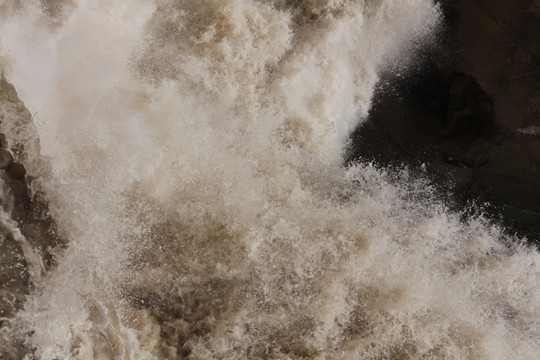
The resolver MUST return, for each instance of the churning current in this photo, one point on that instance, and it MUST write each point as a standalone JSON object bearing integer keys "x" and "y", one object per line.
{"x": 190, "y": 154}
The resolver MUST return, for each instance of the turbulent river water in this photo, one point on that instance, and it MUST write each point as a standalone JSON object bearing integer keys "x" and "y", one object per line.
{"x": 190, "y": 154}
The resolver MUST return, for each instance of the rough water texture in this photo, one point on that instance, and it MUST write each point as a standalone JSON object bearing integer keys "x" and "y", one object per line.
{"x": 190, "y": 153}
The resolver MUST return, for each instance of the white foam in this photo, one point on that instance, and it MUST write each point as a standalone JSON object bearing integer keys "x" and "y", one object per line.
{"x": 195, "y": 151}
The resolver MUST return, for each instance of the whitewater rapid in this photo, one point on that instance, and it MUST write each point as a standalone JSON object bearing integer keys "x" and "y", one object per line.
{"x": 191, "y": 155}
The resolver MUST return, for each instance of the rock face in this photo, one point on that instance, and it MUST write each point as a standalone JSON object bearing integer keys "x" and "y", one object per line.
{"x": 474, "y": 118}
{"x": 27, "y": 232}
{"x": 470, "y": 109}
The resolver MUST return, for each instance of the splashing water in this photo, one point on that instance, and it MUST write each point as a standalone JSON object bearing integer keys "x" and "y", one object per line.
{"x": 191, "y": 154}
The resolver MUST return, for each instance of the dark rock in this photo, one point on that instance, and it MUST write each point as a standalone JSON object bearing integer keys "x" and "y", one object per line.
{"x": 470, "y": 110}
{"x": 15, "y": 171}
{"x": 29, "y": 220}
{"x": 511, "y": 183}
{"x": 470, "y": 118}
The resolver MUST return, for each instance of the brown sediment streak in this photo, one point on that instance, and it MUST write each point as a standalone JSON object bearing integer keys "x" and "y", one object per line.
{"x": 190, "y": 153}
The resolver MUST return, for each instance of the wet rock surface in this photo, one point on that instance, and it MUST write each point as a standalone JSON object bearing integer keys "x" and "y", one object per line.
{"x": 27, "y": 230}
{"x": 472, "y": 121}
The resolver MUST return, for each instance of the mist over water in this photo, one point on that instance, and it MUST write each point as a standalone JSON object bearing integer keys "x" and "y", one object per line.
{"x": 191, "y": 153}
